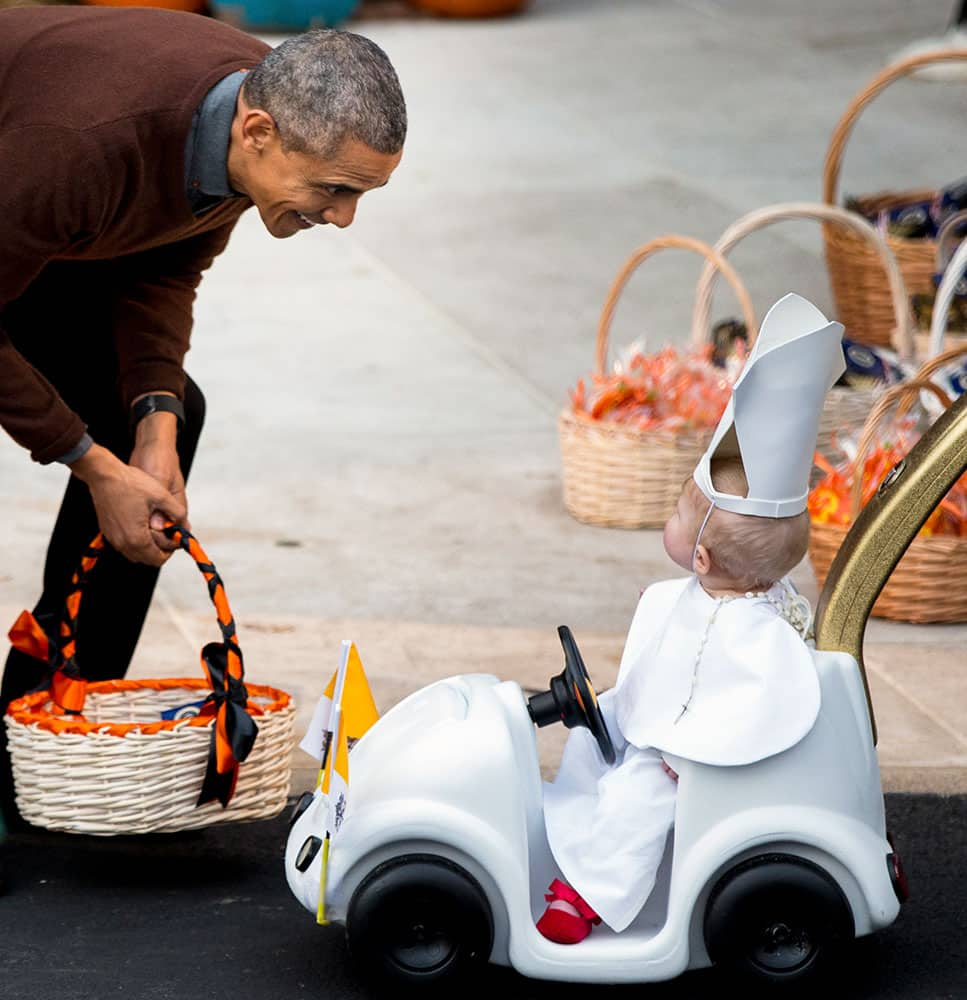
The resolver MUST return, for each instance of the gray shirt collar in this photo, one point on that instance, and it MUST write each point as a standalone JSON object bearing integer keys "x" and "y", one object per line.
{"x": 206, "y": 151}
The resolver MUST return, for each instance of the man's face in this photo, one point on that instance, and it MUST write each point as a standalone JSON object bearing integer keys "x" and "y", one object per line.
{"x": 295, "y": 191}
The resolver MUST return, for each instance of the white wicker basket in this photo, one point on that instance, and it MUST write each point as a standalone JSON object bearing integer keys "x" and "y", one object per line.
{"x": 119, "y": 767}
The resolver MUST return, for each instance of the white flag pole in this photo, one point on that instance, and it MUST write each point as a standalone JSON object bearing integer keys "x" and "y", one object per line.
{"x": 335, "y": 720}
{"x": 335, "y": 716}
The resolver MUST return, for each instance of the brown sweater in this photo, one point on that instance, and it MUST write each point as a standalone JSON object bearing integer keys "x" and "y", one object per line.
{"x": 95, "y": 109}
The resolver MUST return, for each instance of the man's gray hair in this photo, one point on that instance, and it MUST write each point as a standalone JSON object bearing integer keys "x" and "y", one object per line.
{"x": 326, "y": 86}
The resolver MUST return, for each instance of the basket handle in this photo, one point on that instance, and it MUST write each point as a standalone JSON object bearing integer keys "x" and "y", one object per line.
{"x": 54, "y": 642}
{"x": 929, "y": 368}
{"x": 59, "y": 650}
{"x": 953, "y": 272}
{"x": 762, "y": 217}
{"x": 640, "y": 255}
{"x": 837, "y": 143}
{"x": 234, "y": 731}
{"x": 902, "y": 396}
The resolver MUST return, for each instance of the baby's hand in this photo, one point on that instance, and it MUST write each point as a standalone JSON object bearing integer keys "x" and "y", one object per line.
{"x": 671, "y": 774}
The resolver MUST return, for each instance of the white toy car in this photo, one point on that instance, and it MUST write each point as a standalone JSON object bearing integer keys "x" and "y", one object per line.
{"x": 443, "y": 861}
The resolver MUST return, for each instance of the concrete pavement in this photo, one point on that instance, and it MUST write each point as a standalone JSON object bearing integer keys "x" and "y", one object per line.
{"x": 381, "y": 462}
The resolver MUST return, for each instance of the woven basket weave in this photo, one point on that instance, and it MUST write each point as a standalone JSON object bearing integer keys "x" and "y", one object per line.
{"x": 863, "y": 304}
{"x": 98, "y": 782}
{"x": 619, "y": 476}
{"x": 846, "y": 407}
{"x": 929, "y": 584}
{"x": 118, "y": 768}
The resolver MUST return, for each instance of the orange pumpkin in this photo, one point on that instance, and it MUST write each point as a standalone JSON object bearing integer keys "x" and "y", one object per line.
{"x": 469, "y": 8}
{"x": 191, "y": 6}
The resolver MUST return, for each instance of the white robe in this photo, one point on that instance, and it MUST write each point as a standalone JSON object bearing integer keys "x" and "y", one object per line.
{"x": 752, "y": 691}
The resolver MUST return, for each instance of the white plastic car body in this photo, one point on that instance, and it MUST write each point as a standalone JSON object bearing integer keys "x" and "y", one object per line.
{"x": 450, "y": 776}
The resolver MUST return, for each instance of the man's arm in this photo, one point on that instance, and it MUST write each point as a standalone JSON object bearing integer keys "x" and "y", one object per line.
{"x": 31, "y": 411}
{"x": 50, "y": 199}
{"x": 154, "y": 316}
{"x": 152, "y": 332}
{"x": 43, "y": 209}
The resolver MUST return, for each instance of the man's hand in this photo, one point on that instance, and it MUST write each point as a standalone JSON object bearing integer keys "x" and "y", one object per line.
{"x": 155, "y": 453}
{"x": 131, "y": 505}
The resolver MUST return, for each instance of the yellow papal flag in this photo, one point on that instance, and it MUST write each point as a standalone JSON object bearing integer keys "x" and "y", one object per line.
{"x": 358, "y": 709}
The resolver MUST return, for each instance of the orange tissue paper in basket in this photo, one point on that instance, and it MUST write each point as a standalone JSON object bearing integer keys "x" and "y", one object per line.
{"x": 830, "y": 500}
{"x": 926, "y": 584}
{"x": 633, "y": 431}
{"x": 669, "y": 390}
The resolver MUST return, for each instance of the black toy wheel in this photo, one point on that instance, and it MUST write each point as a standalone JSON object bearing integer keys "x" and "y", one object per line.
{"x": 419, "y": 920}
{"x": 777, "y": 919}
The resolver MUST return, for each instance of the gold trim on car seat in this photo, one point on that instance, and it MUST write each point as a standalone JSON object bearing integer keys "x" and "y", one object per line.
{"x": 882, "y": 532}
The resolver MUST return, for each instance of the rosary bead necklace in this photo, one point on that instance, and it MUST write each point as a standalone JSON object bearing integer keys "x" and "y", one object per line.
{"x": 794, "y": 609}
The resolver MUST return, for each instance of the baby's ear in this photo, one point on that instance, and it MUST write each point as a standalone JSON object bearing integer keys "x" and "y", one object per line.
{"x": 702, "y": 561}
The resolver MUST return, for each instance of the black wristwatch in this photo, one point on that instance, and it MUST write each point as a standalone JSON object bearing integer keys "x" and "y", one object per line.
{"x": 152, "y": 403}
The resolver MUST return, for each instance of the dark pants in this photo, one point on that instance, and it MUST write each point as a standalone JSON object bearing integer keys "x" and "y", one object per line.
{"x": 63, "y": 326}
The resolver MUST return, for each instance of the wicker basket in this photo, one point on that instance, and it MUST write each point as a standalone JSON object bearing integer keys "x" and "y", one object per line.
{"x": 846, "y": 407}
{"x": 855, "y": 273}
{"x": 120, "y": 767}
{"x": 619, "y": 476}
{"x": 929, "y": 583}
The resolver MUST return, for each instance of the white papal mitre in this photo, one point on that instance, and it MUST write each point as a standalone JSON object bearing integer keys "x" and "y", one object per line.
{"x": 772, "y": 419}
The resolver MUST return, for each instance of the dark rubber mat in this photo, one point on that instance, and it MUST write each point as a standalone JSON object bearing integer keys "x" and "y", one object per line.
{"x": 208, "y": 915}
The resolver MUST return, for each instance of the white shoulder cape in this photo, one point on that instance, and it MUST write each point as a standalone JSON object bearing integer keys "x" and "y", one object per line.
{"x": 755, "y": 693}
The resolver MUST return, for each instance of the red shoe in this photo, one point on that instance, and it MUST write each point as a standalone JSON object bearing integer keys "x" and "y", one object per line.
{"x": 568, "y": 919}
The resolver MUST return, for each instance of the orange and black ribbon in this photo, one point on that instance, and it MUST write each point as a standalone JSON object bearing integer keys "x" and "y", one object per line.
{"x": 55, "y": 643}
{"x": 234, "y": 731}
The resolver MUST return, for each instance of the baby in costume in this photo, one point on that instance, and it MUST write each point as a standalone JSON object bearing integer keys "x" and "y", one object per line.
{"x": 715, "y": 667}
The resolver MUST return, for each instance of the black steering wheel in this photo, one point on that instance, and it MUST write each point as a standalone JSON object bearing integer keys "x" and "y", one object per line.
{"x": 571, "y": 699}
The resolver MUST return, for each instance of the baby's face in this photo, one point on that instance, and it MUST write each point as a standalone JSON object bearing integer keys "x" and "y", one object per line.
{"x": 682, "y": 527}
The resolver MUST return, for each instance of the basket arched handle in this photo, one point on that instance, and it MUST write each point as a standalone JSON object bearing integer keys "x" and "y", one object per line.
{"x": 56, "y": 644}
{"x": 931, "y": 367}
{"x": 902, "y": 396}
{"x": 216, "y": 591}
{"x": 837, "y": 142}
{"x": 55, "y": 641}
{"x": 233, "y": 731}
{"x": 636, "y": 258}
{"x": 770, "y": 214}
{"x": 954, "y": 271}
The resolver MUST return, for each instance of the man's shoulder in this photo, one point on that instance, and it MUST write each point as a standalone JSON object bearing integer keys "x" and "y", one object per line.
{"x": 186, "y": 31}
{"x": 82, "y": 67}
{"x": 125, "y": 24}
